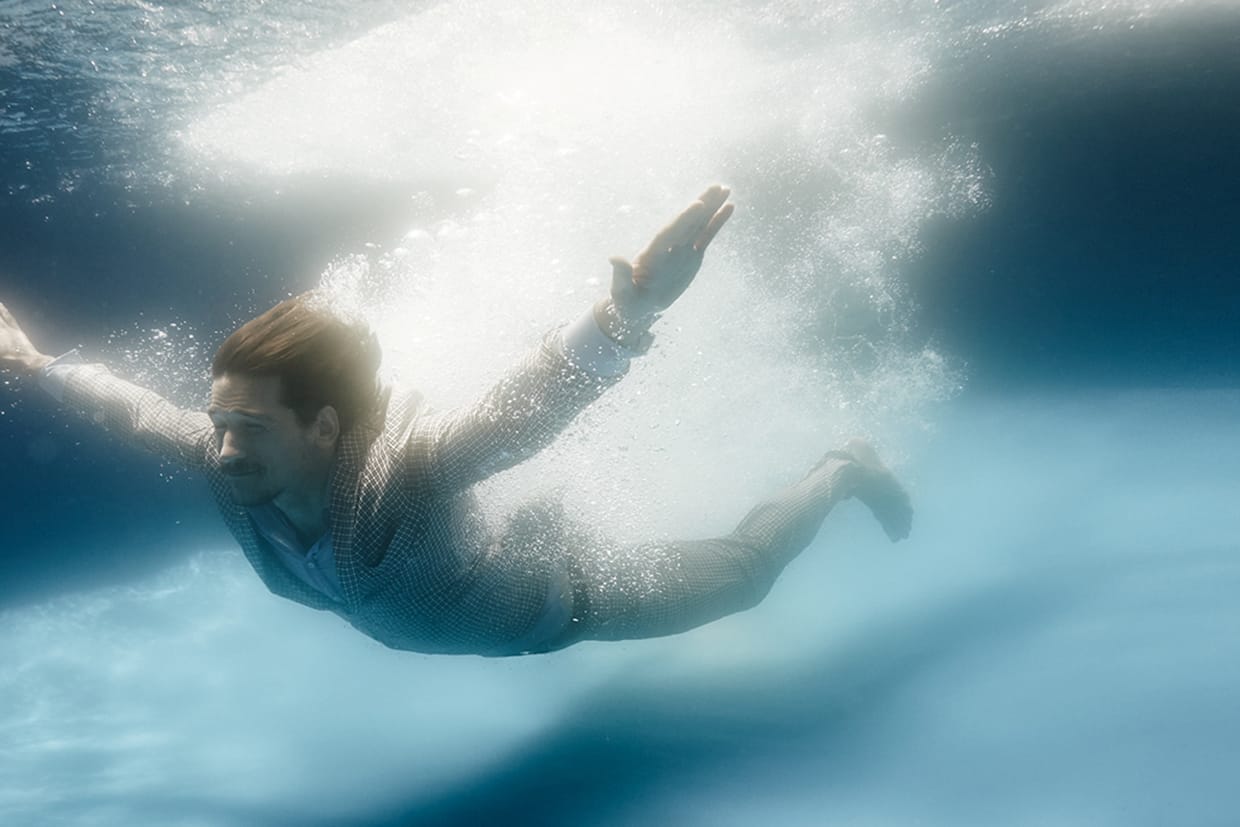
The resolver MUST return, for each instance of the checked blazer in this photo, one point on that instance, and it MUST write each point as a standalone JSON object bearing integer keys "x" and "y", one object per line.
{"x": 413, "y": 553}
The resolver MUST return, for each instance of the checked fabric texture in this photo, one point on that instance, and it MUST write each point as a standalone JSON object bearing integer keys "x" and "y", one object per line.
{"x": 422, "y": 570}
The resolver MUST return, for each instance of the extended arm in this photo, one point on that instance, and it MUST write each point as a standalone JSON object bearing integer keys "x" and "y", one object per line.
{"x": 541, "y": 395}
{"x": 137, "y": 415}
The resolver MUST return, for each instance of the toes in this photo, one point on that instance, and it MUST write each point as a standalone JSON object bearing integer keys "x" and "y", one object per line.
{"x": 900, "y": 521}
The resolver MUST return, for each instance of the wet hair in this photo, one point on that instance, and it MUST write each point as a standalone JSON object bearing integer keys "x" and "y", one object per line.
{"x": 319, "y": 357}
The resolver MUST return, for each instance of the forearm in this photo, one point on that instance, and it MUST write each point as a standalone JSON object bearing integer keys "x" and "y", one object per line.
{"x": 521, "y": 414}
{"x": 136, "y": 415}
{"x": 538, "y": 399}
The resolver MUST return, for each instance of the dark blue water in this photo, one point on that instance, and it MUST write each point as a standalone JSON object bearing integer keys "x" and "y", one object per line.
{"x": 1055, "y": 645}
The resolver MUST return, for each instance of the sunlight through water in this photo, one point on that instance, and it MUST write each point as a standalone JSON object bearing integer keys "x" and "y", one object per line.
{"x": 515, "y": 146}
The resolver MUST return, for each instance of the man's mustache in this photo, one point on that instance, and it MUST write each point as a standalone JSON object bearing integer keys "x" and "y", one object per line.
{"x": 238, "y": 468}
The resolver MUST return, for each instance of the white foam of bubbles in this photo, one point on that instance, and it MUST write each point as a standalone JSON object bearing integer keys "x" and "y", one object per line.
{"x": 169, "y": 356}
{"x": 537, "y": 138}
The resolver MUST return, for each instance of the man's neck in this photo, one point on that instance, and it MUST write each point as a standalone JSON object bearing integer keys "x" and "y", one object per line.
{"x": 306, "y": 510}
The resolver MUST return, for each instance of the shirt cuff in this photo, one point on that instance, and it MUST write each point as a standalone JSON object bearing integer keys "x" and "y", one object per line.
{"x": 54, "y": 376}
{"x": 590, "y": 349}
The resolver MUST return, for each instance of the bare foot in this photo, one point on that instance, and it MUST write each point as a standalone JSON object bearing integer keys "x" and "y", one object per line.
{"x": 881, "y": 492}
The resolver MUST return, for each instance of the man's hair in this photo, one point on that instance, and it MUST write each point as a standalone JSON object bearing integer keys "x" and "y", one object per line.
{"x": 319, "y": 358}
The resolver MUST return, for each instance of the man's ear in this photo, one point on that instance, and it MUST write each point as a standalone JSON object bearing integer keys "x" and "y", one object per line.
{"x": 327, "y": 425}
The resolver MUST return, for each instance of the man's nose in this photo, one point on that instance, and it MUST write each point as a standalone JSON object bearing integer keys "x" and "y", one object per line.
{"x": 228, "y": 447}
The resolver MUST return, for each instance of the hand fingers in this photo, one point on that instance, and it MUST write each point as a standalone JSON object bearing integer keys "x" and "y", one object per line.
{"x": 711, "y": 200}
{"x": 716, "y": 222}
{"x": 709, "y": 219}
{"x": 696, "y": 217}
{"x": 714, "y": 198}
{"x": 683, "y": 228}
{"x": 697, "y": 224}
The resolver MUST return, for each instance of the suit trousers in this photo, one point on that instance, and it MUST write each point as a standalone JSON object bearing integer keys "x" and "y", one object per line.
{"x": 622, "y": 592}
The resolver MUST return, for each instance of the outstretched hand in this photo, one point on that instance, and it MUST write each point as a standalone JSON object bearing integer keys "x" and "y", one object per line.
{"x": 665, "y": 268}
{"x": 16, "y": 351}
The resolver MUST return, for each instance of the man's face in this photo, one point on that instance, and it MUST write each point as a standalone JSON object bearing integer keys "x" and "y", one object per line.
{"x": 264, "y": 451}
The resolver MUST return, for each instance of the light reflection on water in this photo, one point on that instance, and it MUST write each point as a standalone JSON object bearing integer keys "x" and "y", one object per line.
{"x": 1033, "y": 655}
{"x": 1026, "y": 657}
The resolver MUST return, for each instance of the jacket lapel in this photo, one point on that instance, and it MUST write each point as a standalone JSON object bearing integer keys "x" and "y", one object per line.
{"x": 271, "y": 571}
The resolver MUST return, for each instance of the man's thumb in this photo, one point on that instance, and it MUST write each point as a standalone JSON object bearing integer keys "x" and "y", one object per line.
{"x": 621, "y": 276}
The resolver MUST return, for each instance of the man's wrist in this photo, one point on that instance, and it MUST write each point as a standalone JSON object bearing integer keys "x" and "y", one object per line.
{"x": 29, "y": 364}
{"x": 54, "y": 376}
{"x": 625, "y": 331}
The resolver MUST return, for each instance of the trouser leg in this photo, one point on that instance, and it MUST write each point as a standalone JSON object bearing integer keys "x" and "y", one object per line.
{"x": 653, "y": 589}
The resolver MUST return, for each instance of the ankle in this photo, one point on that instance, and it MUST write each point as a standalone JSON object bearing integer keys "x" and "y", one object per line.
{"x": 837, "y": 473}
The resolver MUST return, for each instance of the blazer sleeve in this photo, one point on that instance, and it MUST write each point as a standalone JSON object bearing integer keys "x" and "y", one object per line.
{"x": 140, "y": 417}
{"x": 533, "y": 402}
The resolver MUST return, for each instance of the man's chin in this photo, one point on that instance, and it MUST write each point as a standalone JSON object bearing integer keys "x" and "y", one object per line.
{"x": 249, "y": 498}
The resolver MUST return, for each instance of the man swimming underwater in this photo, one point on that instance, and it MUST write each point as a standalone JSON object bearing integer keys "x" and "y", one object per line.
{"x": 350, "y": 496}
